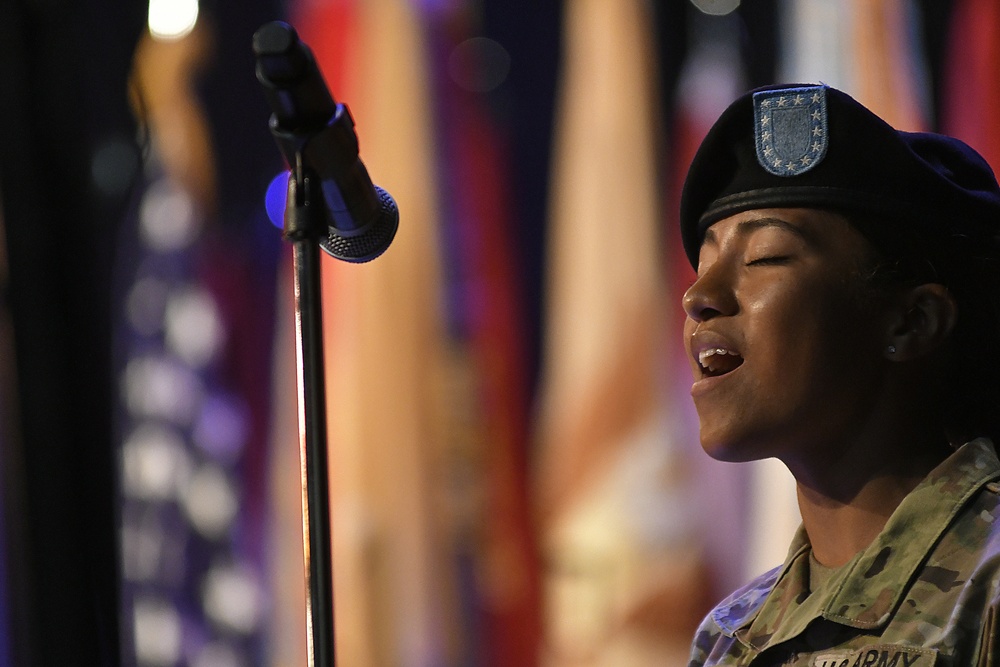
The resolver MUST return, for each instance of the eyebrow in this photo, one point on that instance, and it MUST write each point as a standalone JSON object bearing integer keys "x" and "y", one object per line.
{"x": 746, "y": 227}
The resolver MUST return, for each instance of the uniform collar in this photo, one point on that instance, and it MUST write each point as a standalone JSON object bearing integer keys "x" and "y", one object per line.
{"x": 864, "y": 593}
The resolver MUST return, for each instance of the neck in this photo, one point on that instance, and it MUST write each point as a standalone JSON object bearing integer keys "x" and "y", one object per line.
{"x": 839, "y": 530}
{"x": 846, "y": 502}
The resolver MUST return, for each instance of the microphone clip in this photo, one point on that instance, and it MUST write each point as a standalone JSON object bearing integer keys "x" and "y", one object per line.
{"x": 331, "y": 150}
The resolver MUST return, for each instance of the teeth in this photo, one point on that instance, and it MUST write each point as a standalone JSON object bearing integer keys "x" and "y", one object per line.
{"x": 704, "y": 355}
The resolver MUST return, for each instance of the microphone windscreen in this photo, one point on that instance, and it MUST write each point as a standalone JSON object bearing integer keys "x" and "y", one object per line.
{"x": 370, "y": 241}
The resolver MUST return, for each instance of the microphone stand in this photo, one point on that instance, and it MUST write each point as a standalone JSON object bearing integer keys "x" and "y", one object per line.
{"x": 305, "y": 225}
{"x": 332, "y": 205}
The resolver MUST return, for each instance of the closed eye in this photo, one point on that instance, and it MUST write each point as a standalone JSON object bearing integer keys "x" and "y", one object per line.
{"x": 771, "y": 260}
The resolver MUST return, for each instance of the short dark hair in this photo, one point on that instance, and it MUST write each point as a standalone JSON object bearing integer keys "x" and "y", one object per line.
{"x": 967, "y": 263}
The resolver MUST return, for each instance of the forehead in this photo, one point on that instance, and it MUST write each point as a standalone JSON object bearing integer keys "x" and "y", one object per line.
{"x": 816, "y": 227}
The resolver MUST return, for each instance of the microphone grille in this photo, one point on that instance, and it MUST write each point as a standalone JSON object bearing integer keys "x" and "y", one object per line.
{"x": 371, "y": 240}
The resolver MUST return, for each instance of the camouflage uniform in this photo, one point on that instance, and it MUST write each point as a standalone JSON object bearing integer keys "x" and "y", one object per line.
{"x": 925, "y": 592}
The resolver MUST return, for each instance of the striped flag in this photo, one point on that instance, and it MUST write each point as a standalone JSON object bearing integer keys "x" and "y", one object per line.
{"x": 614, "y": 535}
{"x": 495, "y": 536}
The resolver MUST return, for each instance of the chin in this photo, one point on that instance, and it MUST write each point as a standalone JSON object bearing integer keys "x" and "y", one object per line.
{"x": 730, "y": 449}
{"x": 725, "y": 454}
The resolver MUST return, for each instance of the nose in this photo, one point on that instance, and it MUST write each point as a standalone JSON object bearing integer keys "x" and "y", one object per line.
{"x": 711, "y": 294}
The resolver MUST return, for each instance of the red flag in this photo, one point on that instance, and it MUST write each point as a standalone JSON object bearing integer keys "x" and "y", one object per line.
{"x": 490, "y": 362}
{"x": 971, "y": 99}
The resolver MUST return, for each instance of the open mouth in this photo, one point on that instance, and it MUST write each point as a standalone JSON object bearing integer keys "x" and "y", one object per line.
{"x": 716, "y": 361}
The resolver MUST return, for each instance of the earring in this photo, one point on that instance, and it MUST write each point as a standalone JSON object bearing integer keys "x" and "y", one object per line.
{"x": 891, "y": 349}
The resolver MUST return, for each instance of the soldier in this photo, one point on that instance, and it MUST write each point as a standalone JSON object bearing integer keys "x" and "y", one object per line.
{"x": 846, "y": 320}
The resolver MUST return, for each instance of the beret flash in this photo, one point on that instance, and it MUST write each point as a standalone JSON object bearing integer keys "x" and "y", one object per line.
{"x": 815, "y": 146}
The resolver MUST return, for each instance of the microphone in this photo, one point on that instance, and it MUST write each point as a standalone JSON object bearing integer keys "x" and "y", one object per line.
{"x": 316, "y": 134}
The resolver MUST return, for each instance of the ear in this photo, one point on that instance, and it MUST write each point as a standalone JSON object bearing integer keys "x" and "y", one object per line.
{"x": 923, "y": 322}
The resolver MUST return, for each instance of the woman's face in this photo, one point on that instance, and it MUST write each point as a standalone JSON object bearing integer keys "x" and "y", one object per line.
{"x": 785, "y": 343}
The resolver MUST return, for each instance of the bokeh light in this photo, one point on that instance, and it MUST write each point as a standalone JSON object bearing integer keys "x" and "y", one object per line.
{"x": 172, "y": 19}
{"x": 274, "y": 200}
{"x": 716, "y": 7}
{"x": 479, "y": 64}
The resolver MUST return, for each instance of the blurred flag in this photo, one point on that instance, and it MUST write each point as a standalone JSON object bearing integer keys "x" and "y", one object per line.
{"x": 494, "y": 536}
{"x": 619, "y": 567}
{"x": 971, "y": 100}
{"x": 890, "y": 73}
{"x": 817, "y": 43}
{"x": 870, "y": 50}
{"x": 192, "y": 410}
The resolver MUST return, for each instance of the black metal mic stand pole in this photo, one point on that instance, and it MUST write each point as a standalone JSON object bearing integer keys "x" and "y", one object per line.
{"x": 304, "y": 226}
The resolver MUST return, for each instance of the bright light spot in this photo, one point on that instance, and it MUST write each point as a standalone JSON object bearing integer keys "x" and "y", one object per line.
{"x": 152, "y": 547}
{"x": 157, "y": 632}
{"x": 142, "y": 546}
{"x": 167, "y": 218}
{"x": 157, "y": 388}
{"x": 210, "y": 501}
{"x": 194, "y": 330}
{"x": 232, "y": 598}
{"x": 155, "y": 464}
{"x": 716, "y": 7}
{"x": 145, "y": 304}
{"x": 222, "y": 428}
{"x": 218, "y": 654}
{"x": 172, "y": 19}
{"x": 274, "y": 200}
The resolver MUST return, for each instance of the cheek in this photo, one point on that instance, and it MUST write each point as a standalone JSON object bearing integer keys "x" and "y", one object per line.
{"x": 689, "y": 327}
{"x": 801, "y": 330}
{"x": 817, "y": 342}
{"x": 775, "y": 317}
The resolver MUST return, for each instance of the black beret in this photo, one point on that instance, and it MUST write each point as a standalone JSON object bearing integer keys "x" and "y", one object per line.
{"x": 814, "y": 146}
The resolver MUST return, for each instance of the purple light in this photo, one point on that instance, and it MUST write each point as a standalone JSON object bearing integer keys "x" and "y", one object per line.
{"x": 274, "y": 200}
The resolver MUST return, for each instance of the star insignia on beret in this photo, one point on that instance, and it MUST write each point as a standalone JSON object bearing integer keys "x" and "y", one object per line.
{"x": 790, "y": 128}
